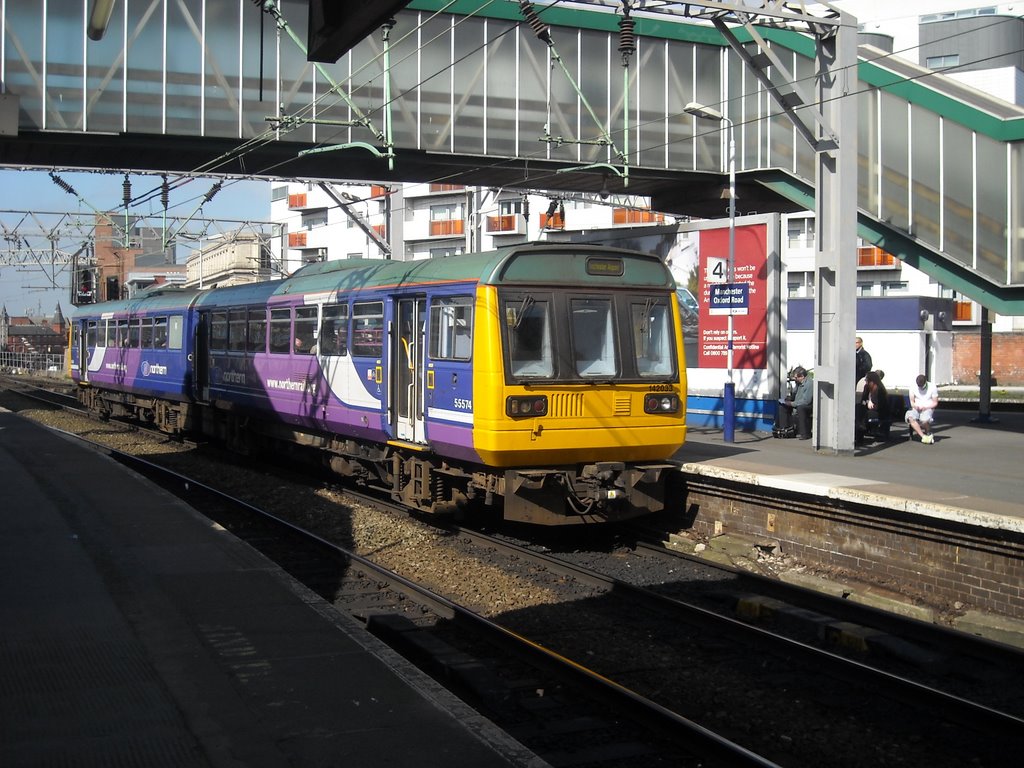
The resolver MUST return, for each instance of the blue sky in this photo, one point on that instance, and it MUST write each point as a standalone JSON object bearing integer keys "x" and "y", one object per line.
{"x": 22, "y": 289}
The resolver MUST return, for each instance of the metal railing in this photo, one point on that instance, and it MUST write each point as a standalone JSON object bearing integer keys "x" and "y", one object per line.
{"x": 53, "y": 365}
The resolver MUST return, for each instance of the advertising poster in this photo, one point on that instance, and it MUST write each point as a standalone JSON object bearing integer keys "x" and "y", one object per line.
{"x": 750, "y": 331}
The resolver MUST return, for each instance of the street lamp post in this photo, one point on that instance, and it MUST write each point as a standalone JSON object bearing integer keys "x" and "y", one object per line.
{"x": 729, "y": 400}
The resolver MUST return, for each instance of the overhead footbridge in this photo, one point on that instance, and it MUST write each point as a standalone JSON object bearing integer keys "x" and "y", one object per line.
{"x": 562, "y": 97}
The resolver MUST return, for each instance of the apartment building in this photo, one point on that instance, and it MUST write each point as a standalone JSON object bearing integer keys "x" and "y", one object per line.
{"x": 327, "y": 221}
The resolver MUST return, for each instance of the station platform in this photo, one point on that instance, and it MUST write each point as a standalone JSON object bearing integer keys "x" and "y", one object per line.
{"x": 972, "y": 472}
{"x": 135, "y": 632}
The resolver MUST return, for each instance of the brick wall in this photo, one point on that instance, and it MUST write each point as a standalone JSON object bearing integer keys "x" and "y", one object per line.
{"x": 1007, "y": 358}
{"x": 941, "y": 562}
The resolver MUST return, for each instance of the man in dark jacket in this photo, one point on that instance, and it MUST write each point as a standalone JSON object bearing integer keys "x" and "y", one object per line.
{"x": 794, "y": 414}
{"x": 863, "y": 360}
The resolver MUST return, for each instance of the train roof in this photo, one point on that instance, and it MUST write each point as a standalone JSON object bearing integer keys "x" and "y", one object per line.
{"x": 159, "y": 298}
{"x": 526, "y": 264}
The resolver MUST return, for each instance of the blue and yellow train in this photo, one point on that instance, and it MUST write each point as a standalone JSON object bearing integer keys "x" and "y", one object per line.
{"x": 545, "y": 378}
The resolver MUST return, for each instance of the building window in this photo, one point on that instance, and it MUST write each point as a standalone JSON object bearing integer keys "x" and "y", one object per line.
{"x": 800, "y": 285}
{"x": 314, "y": 219}
{"x": 943, "y": 62}
{"x": 966, "y": 13}
{"x": 800, "y": 232}
{"x": 510, "y": 207}
{"x": 446, "y": 212}
{"x": 278, "y": 193}
{"x": 894, "y": 287}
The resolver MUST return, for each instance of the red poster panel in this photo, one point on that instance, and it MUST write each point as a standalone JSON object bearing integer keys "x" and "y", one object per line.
{"x": 750, "y": 331}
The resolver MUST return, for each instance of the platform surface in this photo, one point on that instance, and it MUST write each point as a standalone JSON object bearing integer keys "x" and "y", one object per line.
{"x": 133, "y": 632}
{"x": 972, "y": 472}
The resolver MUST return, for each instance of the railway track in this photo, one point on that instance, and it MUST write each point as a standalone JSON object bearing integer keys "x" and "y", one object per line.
{"x": 49, "y": 395}
{"x": 565, "y": 712}
{"x": 731, "y": 681}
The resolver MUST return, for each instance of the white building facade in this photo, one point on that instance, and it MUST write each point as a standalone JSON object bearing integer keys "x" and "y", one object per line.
{"x": 323, "y": 221}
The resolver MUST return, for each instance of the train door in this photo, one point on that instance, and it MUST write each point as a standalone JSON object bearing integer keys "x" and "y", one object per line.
{"x": 201, "y": 363}
{"x": 82, "y": 349}
{"x": 407, "y": 369}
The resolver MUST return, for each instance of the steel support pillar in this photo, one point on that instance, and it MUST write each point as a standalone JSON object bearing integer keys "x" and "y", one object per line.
{"x": 835, "y": 298}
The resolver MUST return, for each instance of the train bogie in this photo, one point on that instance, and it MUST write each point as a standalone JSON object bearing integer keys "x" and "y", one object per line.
{"x": 546, "y": 379}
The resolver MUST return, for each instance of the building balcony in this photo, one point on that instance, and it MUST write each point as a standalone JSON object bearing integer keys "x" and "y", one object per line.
{"x": 447, "y": 228}
{"x": 510, "y": 224}
{"x": 432, "y": 190}
{"x": 622, "y": 216}
{"x": 552, "y": 221}
{"x": 963, "y": 311}
{"x": 871, "y": 256}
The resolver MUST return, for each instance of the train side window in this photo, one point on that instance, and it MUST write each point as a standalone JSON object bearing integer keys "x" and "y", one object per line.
{"x": 529, "y": 337}
{"x": 451, "y": 328}
{"x": 175, "y": 331}
{"x": 146, "y": 337}
{"x": 367, "y": 329}
{"x": 257, "y": 336}
{"x": 333, "y": 338}
{"x": 134, "y": 333}
{"x": 305, "y": 330}
{"x": 160, "y": 333}
{"x": 90, "y": 335}
{"x": 280, "y": 331}
{"x": 652, "y": 337}
{"x": 236, "y": 330}
{"x": 219, "y": 331}
{"x": 122, "y": 333}
{"x": 593, "y": 334}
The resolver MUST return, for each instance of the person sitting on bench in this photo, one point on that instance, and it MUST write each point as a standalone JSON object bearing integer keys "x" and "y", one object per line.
{"x": 873, "y": 410}
{"x": 794, "y": 413}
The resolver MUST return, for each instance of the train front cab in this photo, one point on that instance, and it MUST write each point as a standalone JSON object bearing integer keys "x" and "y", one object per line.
{"x": 580, "y": 390}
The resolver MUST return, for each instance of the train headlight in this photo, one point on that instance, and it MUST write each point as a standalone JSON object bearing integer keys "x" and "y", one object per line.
{"x": 529, "y": 405}
{"x": 659, "y": 403}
